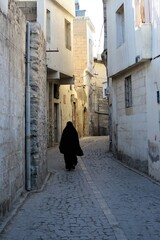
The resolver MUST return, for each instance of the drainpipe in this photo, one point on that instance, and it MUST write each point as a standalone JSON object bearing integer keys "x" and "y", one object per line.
{"x": 28, "y": 131}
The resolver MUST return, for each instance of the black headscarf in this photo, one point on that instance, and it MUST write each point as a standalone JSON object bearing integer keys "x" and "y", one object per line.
{"x": 69, "y": 143}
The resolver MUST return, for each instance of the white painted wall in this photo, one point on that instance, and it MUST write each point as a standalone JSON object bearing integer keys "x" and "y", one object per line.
{"x": 68, "y": 5}
{"x": 61, "y": 62}
{"x": 153, "y": 116}
{"x": 137, "y": 41}
{"x": 136, "y": 131}
{"x": 4, "y": 6}
{"x": 153, "y": 108}
{"x": 59, "y": 11}
{"x": 132, "y": 123}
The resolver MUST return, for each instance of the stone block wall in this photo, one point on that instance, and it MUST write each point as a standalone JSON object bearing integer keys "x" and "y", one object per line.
{"x": 38, "y": 107}
{"x": 80, "y": 39}
{"x": 98, "y": 124}
{"x": 29, "y": 8}
{"x": 12, "y": 106}
{"x": 98, "y": 112}
{"x": 130, "y": 124}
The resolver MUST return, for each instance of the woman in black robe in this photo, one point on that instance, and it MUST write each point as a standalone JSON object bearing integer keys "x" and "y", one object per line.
{"x": 69, "y": 146}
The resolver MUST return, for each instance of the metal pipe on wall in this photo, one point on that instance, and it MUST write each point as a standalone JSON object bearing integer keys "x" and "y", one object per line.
{"x": 27, "y": 117}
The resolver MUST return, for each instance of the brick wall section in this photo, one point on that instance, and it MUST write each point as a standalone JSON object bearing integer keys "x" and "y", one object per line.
{"x": 80, "y": 64}
{"x": 12, "y": 107}
{"x": 80, "y": 50}
{"x": 38, "y": 107}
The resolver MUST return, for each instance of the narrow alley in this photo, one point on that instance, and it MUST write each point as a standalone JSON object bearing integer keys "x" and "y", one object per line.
{"x": 101, "y": 199}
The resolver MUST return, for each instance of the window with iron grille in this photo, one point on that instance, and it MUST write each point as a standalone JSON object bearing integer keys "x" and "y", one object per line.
{"x": 128, "y": 92}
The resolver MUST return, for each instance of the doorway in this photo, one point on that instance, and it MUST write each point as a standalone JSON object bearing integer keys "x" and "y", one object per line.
{"x": 56, "y": 122}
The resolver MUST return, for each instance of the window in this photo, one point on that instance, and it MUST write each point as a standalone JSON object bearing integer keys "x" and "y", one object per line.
{"x": 90, "y": 51}
{"x": 128, "y": 92}
{"x": 68, "y": 34}
{"x": 48, "y": 26}
{"x": 64, "y": 99}
{"x": 120, "y": 27}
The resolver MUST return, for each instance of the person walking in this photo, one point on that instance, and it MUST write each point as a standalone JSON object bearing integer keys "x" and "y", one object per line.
{"x": 70, "y": 146}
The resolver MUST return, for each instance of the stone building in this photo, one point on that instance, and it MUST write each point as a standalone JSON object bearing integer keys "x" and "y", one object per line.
{"x": 98, "y": 101}
{"x": 133, "y": 50}
{"x": 23, "y": 121}
{"x": 83, "y": 31}
{"x": 38, "y": 109}
{"x": 59, "y": 65}
{"x": 84, "y": 101}
{"x": 68, "y": 100}
{"x": 56, "y": 20}
{"x": 12, "y": 104}
{"x": 36, "y": 170}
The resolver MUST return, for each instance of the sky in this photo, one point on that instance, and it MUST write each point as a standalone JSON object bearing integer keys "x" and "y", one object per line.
{"x": 94, "y": 10}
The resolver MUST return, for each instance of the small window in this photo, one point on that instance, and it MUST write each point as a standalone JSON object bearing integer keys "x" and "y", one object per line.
{"x": 90, "y": 51}
{"x": 68, "y": 34}
{"x": 128, "y": 92}
{"x": 120, "y": 26}
{"x": 48, "y": 26}
{"x": 64, "y": 99}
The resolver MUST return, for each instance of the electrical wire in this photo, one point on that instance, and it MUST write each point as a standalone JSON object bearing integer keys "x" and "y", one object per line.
{"x": 20, "y": 51}
{"x": 100, "y": 37}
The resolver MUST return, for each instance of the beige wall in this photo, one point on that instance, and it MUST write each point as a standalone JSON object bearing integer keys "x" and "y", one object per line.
{"x": 80, "y": 50}
{"x": 67, "y": 5}
{"x": 83, "y": 70}
{"x": 67, "y": 98}
{"x": 98, "y": 120}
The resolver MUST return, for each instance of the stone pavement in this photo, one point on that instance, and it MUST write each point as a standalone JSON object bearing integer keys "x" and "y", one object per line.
{"x": 100, "y": 200}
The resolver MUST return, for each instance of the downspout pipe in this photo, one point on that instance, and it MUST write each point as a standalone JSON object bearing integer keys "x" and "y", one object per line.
{"x": 27, "y": 117}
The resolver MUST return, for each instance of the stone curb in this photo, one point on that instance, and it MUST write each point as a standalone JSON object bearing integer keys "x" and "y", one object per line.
{"x": 13, "y": 213}
{"x": 136, "y": 171}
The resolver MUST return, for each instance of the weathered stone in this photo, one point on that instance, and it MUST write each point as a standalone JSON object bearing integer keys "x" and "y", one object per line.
{"x": 38, "y": 107}
{"x": 12, "y": 107}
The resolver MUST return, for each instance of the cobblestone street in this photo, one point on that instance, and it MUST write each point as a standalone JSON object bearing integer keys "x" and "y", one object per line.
{"x": 100, "y": 200}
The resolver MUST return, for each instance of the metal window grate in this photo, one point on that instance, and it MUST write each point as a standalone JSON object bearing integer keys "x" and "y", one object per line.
{"x": 128, "y": 92}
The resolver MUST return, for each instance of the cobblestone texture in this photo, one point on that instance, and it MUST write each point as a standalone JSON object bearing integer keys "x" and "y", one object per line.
{"x": 100, "y": 200}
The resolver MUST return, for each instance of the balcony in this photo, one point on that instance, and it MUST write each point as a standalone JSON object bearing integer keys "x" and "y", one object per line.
{"x": 136, "y": 48}
{"x": 143, "y": 43}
